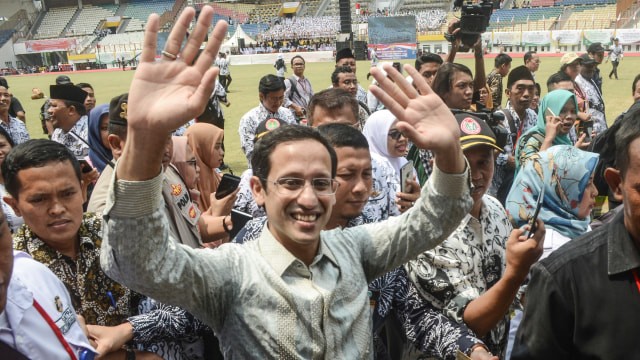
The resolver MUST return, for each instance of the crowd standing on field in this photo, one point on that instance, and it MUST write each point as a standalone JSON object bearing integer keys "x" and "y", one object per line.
{"x": 428, "y": 217}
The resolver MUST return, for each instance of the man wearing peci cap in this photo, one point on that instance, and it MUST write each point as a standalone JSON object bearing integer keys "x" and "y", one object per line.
{"x": 596, "y": 52}
{"x": 593, "y": 95}
{"x": 496, "y": 258}
{"x": 68, "y": 117}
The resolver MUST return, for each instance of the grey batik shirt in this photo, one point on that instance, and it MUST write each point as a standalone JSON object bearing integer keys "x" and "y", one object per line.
{"x": 260, "y": 300}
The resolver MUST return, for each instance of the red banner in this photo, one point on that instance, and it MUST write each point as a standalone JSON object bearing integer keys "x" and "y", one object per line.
{"x": 62, "y": 44}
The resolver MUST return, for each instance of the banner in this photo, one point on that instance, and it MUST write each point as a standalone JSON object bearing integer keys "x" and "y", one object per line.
{"x": 395, "y": 51}
{"x": 536, "y": 38}
{"x": 392, "y": 30}
{"x": 602, "y": 36}
{"x": 506, "y": 38}
{"x": 49, "y": 45}
{"x": 566, "y": 37}
{"x": 628, "y": 36}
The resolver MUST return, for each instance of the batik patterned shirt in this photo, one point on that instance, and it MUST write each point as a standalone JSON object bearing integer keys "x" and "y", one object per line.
{"x": 92, "y": 292}
{"x": 250, "y": 121}
{"x": 16, "y": 129}
{"x": 76, "y": 146}
{"x": 469, "y": 262}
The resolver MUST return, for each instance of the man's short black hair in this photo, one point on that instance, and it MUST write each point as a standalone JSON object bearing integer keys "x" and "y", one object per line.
{"x": 442, "y": 82}
{"x": 343, "y": 135}
{"x": 298, "y": 57}
{"x": 34, "y": 153}
{"x": 270, "y": 83}
{"x": 635, "y": 82}
{"x": 331, "y": 100}
{"x": 558, "y": 77}
{"x": 502, "y": 59}
{"x": 628, "y": 132}
{"x": 261, "y": 160}
{"x": 529, "y": 55}
{"x": 426, "y": 58}
{"x": 84, "y": 85}
{"x": 338, "y": 70}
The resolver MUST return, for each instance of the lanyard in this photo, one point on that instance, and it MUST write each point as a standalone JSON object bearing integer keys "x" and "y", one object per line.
{"x": 55, "y": 329}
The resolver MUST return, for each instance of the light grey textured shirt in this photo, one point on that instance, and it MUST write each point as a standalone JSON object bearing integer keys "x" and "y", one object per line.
{"x": 260, "y": 300}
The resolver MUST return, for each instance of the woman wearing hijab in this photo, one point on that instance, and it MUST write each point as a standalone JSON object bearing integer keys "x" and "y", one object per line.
{"x": 565, "y": 174}
{"x": 185, "y": 162}
{"x": 556, "y": 117}
{"x": 205, "y": 140}
{"x": 99, "y": 150}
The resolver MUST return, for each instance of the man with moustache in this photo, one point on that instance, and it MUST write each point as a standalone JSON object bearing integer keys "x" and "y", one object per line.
{"x": 345, "y": 57}
{"x": 69, "y": 118}
{"x": 344, "y": 78}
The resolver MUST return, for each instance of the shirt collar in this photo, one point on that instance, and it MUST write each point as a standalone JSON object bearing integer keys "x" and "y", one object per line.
{"x": 622, "y": 253}
{"x": 279, "y": 258}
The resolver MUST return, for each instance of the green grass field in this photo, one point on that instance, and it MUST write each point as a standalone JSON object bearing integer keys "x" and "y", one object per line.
{"x": 244, "y": 91}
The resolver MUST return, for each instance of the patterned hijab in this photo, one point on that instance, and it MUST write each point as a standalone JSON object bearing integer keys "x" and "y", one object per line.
{"x": 555, "y": 101}
{"x": 563, "y": 172}
{"x": 202, "y": 138}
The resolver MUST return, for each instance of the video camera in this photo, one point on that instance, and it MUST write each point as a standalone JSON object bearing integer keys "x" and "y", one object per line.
{"x": 474, "y": 19}
{"x": 493, "y": 119}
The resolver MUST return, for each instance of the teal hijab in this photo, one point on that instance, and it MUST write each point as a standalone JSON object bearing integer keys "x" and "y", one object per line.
{"x": 555, "y": 101}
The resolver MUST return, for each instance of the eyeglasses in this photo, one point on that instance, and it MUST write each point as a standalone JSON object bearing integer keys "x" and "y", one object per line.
{"x": 395, "y": 134}
{"x": 291, "y": 186}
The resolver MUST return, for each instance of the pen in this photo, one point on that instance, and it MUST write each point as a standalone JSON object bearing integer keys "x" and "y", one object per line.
{"x": 111, "y": 299}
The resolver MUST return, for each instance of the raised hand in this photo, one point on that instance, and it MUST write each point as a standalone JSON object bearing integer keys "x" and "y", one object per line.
{"x": 422, "y": 116}
{"x": 166, "y": 94}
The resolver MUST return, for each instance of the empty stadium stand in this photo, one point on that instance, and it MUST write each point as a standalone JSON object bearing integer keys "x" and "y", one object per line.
{"x": 88, "y": 19}
{"x": 55, "y": 21}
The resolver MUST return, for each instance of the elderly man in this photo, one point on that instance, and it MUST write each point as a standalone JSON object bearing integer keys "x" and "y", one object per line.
{"x": 587, "y": 82}
{"x": 313, "y": 298}
{"x": 68, "y": 117}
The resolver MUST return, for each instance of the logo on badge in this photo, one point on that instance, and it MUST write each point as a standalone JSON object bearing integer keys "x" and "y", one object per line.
{"x": 176, "y": 189}
{"x": 192, "y": 212}
{"x": 470, "y": 126}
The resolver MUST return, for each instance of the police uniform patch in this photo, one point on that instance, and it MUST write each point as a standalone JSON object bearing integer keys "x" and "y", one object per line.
{"x": 176, "y": 189}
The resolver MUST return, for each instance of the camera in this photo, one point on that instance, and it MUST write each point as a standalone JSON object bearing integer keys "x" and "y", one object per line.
{"x": 474, "y": 19}
{"x": 493, "y": 119}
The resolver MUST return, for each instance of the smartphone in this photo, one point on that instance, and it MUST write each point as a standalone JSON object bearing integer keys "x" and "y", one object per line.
{"x": 549, "y": 112}
{"x": 84, "y": 165}
{"x": 587, "y": 128}
{"x": 533, "y": 222}
{"x": 228, "y": 184}
{"x": 239, "y": 219}
{"x": 406, "y": 173}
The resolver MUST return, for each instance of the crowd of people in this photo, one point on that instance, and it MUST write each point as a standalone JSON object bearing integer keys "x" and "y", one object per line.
{"x": 426, "y": 217}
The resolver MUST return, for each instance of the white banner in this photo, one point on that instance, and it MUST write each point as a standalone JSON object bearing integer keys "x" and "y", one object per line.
{"x": 602, "y": 36}
{"x": 540, "y": 38}
{"x": 628, "y": 36}
{"x": 566, "y": 37}
{"x": 506, "y": 38}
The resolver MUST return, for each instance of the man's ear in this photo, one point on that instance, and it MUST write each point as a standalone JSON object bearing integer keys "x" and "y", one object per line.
{"x": 116, "y": 144}
{"x": 259, "y": 192}
{"x": 614, "y": 180}
{"x": 507, "y": 92}
{"x": 13, "y": 203}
